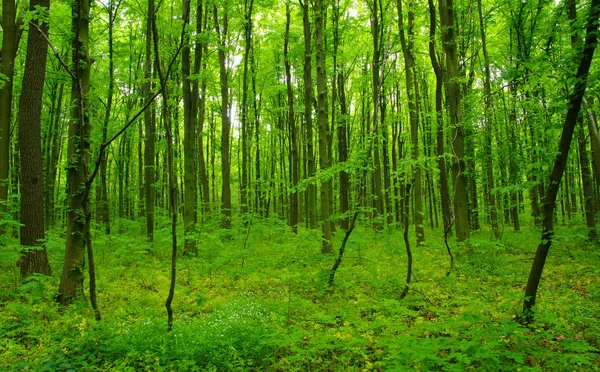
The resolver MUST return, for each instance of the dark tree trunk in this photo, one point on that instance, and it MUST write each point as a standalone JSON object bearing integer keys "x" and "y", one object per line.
{"x": 561, "y": 161}
{"x": 150, "y": 130}
{"x": 10, "y": 44}
{"x": 225, "y": 122}
{"x": 34, "y": 258}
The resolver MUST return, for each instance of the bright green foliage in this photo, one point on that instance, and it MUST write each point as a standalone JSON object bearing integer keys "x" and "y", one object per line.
{"x": 259, "y": 301}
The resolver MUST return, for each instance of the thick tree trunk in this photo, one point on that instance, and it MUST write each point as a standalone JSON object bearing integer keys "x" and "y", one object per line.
{"x": 34, "y": 258}
{"x": 449, "y": 37}
{"x": 10, "y": 44}
{"x": 78, "y": 148}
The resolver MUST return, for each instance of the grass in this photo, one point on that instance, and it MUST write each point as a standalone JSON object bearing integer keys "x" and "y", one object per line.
{"x": 257, "y": 300}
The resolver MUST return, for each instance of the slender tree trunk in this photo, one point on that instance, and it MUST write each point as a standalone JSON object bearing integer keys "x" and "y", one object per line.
{"x": 294, "y": 164}
{"x": 150, "y": 130}
{"x": 441, "y": 162}
{"x": 34, "y": 258}
{"x": 53, "y": 158}
{"x": 342, "y": 130}
{"x": 308, "y": 97}
{"x": 376, "y": 34}
{"x": 560, "y": 162}
{"x": 163, "y": 76}
{"x": 248, "y": 7}
{"x": 225, "y": 122}
{"x": 407, "y": 42}
{"x": 189, "y": 146}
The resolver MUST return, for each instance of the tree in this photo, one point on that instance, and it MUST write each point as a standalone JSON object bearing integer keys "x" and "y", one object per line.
{"x": 225, "y": 120}
{"x": 189, "y": 146}
{"x": 560, "y": 161}
{"x": 34, "y": 257}
{"x": 412, "y": 93}
{"x": 311, "y": 192}
{"x": 489, "y": 163}
{"x": 294, "y": 162}
{"x": 324, "y": 159}
{"x": 461, "y": 213}
{"x": 10, "y": 41}
{"x": 149, "y": 130}
{"x": 78, "y": 148}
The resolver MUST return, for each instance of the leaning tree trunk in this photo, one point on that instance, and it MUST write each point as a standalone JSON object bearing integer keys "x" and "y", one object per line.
{"x": 560, "y": 162}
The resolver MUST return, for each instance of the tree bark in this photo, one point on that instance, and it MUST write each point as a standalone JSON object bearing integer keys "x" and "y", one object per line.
{"x": 149, "y": 130}
{"x": 449, "y": 37}
{"x": 10, "y": 44}
{"x": 78, "y": 153}
{"x": 34, "y": 258}
{"x": 308, "y": 97}
{"x": 189, "y": 146}
{"x": 441, "y": 161}
{"x": 225, "y": 121}
{"x": 294, "y": 164}
{"x": 324, "y": 159}
{"x": 407, "y": 42}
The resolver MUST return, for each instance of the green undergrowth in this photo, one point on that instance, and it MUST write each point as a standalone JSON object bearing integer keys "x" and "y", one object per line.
{"x": 256, "y": 299}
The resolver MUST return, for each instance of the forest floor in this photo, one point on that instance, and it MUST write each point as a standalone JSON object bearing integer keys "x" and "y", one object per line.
{"x": 256, "y": 299}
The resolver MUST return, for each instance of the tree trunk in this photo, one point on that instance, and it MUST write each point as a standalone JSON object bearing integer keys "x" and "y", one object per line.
{"x": 411, "y": 91}
{"x": 10, "y": 44}
{"x": 324, "y": 159}
{"x": 34, "y": 258}
{"x": 376, "y": 34}
{"x": 308, "y": 97}
{"x": 149, "y": 130}
{"x": 449, "y": 37}
{"x": 225, "y": 122}
{"x": 294, "y": 164}
{"x": 78, "y": 148}
{"x": 561, "y": 160}
{"x": 189, "y": 146}
{"x": 53, "y": 158}
{"x": 441, "y": 162}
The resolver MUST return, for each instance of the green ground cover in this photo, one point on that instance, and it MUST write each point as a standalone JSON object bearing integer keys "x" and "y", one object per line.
{"x": 257, "y": 300}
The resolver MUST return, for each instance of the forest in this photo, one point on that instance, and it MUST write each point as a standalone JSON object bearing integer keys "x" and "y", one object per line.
{"x": 299, "y": 185}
